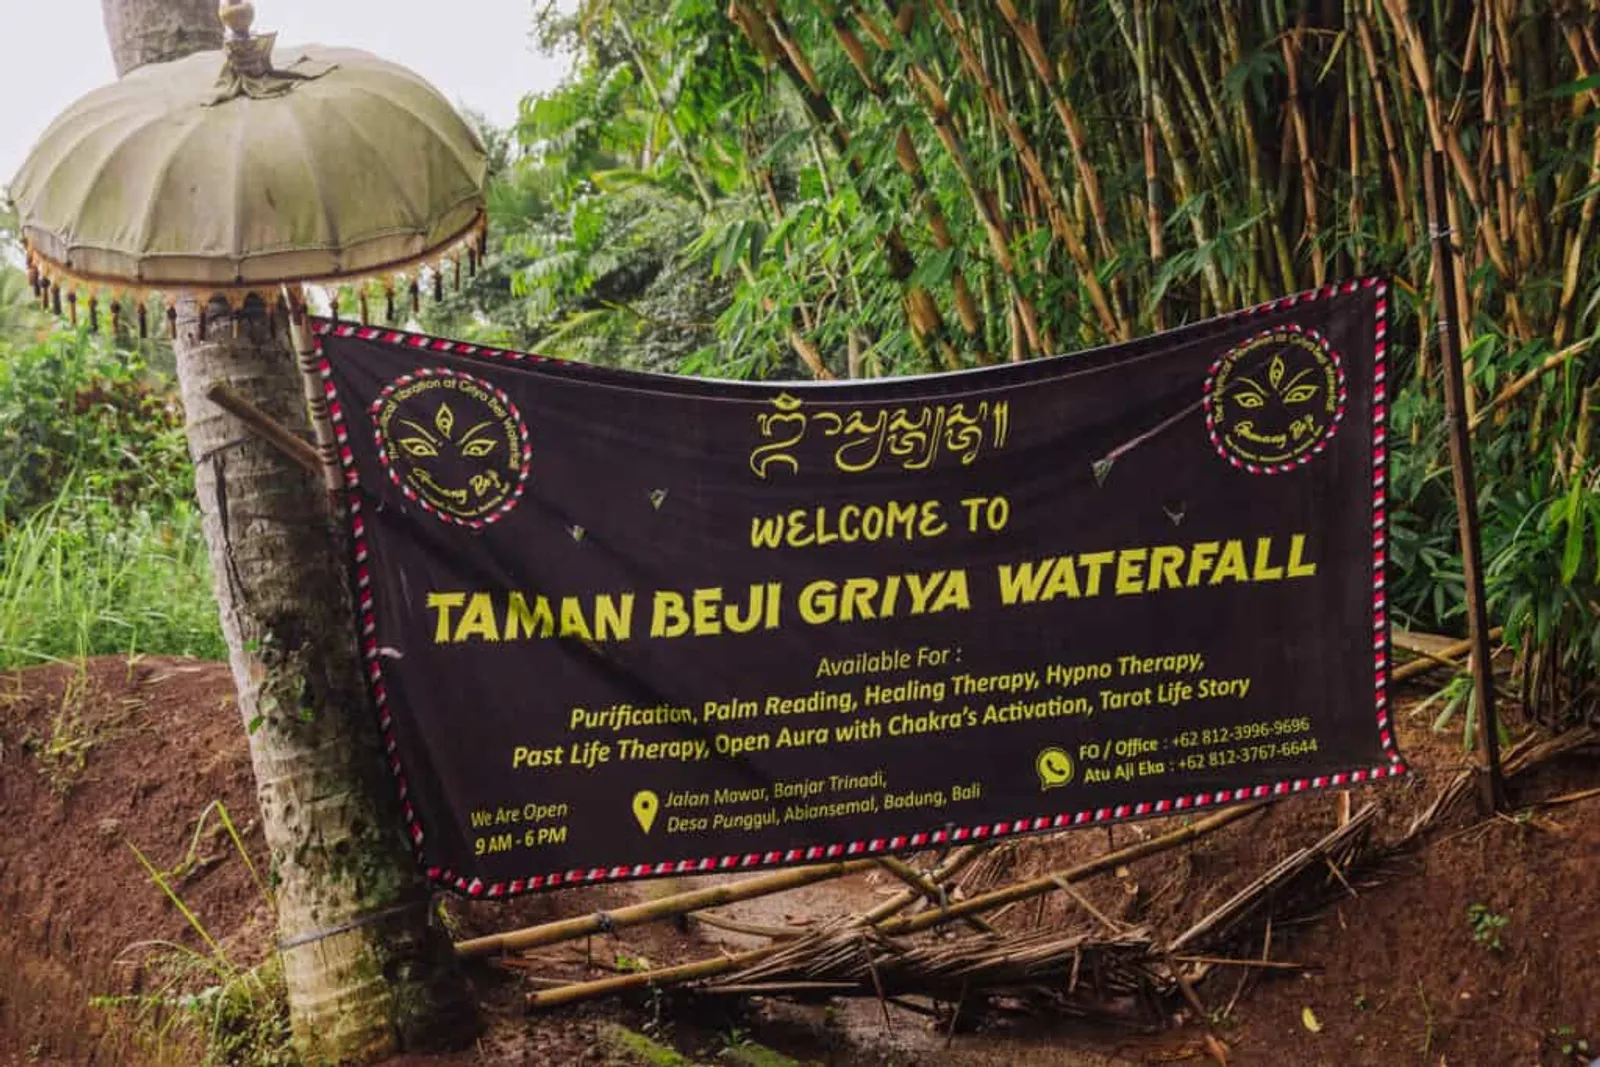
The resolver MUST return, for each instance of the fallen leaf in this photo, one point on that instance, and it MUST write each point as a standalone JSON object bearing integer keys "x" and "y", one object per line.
{"x": 1309, "y": 1018}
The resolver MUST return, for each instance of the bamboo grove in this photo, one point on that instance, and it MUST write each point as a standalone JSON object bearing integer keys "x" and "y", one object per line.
{"x": 839, "y": 189}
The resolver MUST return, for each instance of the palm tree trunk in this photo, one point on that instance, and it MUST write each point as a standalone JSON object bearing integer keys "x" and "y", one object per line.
{"x": 366, "y": 971}
{"x": 154, "y": 31}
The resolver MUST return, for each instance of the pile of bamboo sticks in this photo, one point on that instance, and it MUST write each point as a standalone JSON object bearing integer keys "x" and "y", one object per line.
{"x": 1093, "y": 966}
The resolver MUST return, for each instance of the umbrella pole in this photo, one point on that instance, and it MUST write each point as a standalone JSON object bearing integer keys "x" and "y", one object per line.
{"x": 309, "y": 360}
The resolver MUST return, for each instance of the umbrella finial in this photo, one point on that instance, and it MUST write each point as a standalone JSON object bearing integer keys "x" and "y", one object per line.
{"x": 238, "y": 16}
{"x": 248, "y": 53}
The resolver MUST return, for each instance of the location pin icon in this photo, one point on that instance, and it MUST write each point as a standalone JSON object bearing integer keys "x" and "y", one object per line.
{"x": 645, "y": 806}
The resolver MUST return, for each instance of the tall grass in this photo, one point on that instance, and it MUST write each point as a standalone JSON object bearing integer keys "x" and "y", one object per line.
{"x": 236, "y": 1014}
{"x": 101, "y": 551}
{"x": 82, "y": 577}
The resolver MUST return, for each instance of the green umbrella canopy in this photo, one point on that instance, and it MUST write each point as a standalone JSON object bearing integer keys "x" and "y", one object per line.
{"x": 236, "y": 172}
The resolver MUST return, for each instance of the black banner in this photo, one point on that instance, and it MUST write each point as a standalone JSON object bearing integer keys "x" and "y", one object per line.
{"x": 621, "y": 625}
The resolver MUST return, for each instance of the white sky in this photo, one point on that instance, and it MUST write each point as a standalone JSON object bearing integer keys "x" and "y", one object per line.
{"x": 476, "y": 52}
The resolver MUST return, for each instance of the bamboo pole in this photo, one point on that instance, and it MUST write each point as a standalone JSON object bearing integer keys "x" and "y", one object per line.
{"x": 665, "y": 976}
{"x": 633, "y": 915}
{"x": 956, "y": 862}
{"x": 309, "y": 362}
{"x": 1444, "y": 657}
{"x": 1491, "y": 784}
{"x": 1047, "y": 883}
{"x": 737, "y": 926}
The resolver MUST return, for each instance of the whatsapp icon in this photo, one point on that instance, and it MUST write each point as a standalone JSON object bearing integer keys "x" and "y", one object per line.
{"x": 1054, "y": 767}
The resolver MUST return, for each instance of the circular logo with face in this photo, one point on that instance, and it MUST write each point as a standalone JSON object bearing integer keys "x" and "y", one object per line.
{"x": 454, "y": 444}
{"x": 1275, "y": 401}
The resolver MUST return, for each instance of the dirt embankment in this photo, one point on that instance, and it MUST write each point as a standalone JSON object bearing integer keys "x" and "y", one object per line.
{"x": 92, "y": 761}
{"x": 1481, "y": 949}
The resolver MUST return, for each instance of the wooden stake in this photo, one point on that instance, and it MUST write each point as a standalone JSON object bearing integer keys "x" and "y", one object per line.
{"x": 926, "y": 887}
{"x": 1491, "y": 792}
{"x": 308, "y": 361}
{"x": 265, "y": 426}
{"x": 958, "y": 860}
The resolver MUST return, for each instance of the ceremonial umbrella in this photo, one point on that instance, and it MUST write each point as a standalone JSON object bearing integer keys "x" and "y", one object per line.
{"x": 250, "y": 172}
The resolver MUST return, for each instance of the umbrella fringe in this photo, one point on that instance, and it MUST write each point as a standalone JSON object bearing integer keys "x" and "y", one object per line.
{"x": 50, "y": 282}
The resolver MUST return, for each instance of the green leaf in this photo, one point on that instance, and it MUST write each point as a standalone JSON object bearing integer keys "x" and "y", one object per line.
{"x": 1596, "y": 505}
{"x": 935, "y": 268}
{"x": 1573, "y": 88}
{"x": 1572, "y": 552}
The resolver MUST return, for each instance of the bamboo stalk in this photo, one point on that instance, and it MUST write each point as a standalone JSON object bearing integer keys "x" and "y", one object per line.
{"x": 1526, "y": 223}
{"x": 1445, "y": 138}
{"x": 808, "y": 353}
{"x": 1402, "y": 197}
{"x": 1512, "y": 390}
{"x": 994, "y": 224}
{"x": 1188, "y": 188}
{"x": 910, "y": 163}
{"x": 1261, "y": 204}
{"x": 1060, "y": 224}
{"x": 1027, "y": 34}
{"x": 1354, "y": 213}
{"x": 922, "y": 313}
{"x": 1157, "y": 111}
{"x": 1574, "y": 256}
{"x": 1289, "y": 48}
{"x": 1152, "y": 186}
